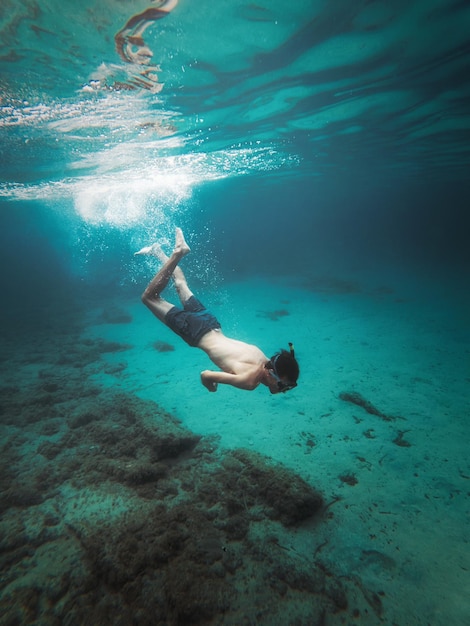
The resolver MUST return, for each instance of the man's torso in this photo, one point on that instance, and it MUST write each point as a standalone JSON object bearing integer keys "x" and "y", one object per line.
{"x": 230, "y": 355}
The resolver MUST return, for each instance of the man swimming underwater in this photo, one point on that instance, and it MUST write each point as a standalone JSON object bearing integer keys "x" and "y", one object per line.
{"x": 243, "y": 365}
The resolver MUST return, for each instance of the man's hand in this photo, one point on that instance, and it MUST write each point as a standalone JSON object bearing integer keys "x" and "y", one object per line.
{"x": 207, "y": 382}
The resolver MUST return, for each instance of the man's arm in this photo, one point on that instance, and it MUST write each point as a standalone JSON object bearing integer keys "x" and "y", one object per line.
{"x": 246, "y": 381}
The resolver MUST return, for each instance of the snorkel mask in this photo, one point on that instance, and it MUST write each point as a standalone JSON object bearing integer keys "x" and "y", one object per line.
{"x": 281, "y": 385}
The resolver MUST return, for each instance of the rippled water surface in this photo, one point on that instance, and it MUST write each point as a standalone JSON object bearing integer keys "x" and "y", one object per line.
{"x": 103, "y": 97}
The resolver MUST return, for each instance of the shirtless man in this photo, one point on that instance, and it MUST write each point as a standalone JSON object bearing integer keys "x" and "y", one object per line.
{"x": 243, "y": 365}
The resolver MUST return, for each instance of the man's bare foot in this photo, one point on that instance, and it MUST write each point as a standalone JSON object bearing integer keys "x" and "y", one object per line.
{"x": 181, "y": 247}
{"x": 153, "y": 250}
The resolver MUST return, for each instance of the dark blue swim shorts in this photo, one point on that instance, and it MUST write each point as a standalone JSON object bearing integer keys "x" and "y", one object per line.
{"x": 192, "y": 322}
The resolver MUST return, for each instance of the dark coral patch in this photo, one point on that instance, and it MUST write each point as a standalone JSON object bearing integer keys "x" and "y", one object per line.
{"x": 274, "y": 316}
{"x": 163, "y": 346}
{"x": 133, "y": 519}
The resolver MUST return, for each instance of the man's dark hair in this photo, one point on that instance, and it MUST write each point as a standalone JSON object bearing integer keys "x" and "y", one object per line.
{"x": 286, "y": 366}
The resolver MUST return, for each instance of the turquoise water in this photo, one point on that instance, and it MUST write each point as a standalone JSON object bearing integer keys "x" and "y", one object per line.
{"x": 316, "y": 155}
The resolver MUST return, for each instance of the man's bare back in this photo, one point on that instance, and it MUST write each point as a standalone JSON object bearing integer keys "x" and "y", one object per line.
{"x": 243, "y": 365}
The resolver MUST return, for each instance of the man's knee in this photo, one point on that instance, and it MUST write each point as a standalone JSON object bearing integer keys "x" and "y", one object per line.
{"x": 158, "y": 306}
{"x": 148, "y": 299}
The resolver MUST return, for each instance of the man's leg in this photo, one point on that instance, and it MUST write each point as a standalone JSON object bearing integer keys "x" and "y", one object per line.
{"x": 151, "y": 296}
{"x": 182, "y": 289}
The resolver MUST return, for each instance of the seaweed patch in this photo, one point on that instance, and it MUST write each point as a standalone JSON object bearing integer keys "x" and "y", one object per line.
{"x": 122, "y": 515}
{"x": 355, "y": 398}
{"x": 274, "y": 316}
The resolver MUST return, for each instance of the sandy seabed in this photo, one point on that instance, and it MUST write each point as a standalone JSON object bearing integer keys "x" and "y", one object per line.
{"x": 131, "y": 495}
